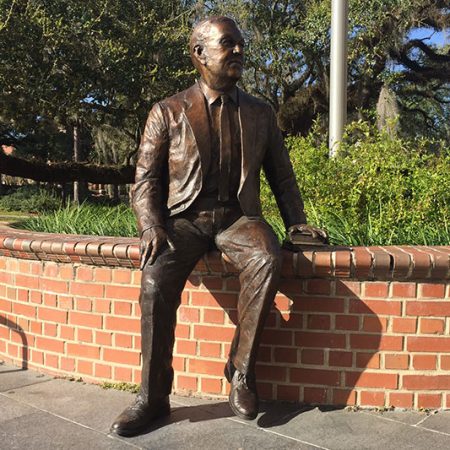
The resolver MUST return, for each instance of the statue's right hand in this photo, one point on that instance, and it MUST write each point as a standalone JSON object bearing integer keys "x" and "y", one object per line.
{"x": 153, "y": 242}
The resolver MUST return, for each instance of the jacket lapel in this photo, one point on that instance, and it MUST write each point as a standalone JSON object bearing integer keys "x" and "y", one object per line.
{"x": 247, "y": 120}
{"x": 197, "y": 116}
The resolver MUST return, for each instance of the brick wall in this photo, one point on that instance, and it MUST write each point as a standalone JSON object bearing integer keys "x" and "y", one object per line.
{"x": 363, "y": 326}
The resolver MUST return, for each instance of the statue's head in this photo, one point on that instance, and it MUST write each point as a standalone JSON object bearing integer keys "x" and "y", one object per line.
{"x": 217, "y": 51}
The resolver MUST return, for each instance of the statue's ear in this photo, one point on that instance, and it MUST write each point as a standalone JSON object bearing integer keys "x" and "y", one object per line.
{"x": 200, "y": 54}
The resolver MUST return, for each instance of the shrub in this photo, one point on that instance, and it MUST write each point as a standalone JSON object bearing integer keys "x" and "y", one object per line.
{"x": 378, "y": 191}
{"x": 30, "y": 198}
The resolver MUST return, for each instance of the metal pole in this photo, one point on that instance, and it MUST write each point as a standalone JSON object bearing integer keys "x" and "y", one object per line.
{"x": 338, "y": 73}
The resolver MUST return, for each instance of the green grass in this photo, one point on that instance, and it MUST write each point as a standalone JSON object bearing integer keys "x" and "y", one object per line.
{"x": 85, "y": 219}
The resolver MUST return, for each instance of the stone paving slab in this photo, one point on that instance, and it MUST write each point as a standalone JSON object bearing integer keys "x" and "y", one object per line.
{"x": 38, "y": 412}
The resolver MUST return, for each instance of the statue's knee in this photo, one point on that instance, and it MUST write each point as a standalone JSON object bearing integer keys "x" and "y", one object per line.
{"x": 272, "y": 260}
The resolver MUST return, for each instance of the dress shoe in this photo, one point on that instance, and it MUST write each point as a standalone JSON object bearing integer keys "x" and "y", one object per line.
{"x": 138, "y": 417}
{"x": 243, "y": 397}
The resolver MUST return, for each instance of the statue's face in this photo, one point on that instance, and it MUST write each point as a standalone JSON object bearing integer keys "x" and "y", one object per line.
{"x": 222, "y": 56}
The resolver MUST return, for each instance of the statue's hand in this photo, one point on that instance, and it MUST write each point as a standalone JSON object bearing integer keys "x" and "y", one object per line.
{"x": 309, "y": 229}
{"x": 153, "y": 242}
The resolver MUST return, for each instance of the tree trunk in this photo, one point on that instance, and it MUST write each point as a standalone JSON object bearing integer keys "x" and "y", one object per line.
{"x": 76, "y": 158}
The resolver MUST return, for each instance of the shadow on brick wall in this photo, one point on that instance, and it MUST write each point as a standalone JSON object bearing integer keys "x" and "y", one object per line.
{"x": 15, "y": 328}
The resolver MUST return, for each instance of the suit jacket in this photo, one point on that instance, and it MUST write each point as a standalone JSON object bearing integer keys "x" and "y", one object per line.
{"x": 174, "y": 157}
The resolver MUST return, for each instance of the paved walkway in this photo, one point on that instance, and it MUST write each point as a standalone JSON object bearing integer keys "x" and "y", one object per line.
{"x": 39, "y": 412}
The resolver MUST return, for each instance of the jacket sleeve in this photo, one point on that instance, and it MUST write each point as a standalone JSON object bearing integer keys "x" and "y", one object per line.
{"x": 280, "y": 175}
{"x": 147, "y": 192}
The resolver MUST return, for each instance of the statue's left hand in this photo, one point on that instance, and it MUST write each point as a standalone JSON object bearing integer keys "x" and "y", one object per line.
{"x": 309, "y": 229}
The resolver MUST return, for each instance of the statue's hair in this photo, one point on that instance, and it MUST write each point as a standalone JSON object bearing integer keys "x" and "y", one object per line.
{"x": 201, "y": 31}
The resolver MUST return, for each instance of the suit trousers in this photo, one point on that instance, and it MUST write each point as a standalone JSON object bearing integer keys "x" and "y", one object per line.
{"x": 253, "y": 249}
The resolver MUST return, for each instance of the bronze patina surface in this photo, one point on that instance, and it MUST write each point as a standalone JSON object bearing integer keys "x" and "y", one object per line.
{"x": 197, "y": 186}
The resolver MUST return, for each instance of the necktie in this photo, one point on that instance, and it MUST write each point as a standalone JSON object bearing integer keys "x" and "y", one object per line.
{"x": 225, "y": 150}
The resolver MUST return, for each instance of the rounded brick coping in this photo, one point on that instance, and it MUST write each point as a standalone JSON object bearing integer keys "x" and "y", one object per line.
{"x": 364, "y": 263}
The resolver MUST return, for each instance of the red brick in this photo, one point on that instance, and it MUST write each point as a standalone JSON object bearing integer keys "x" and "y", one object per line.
{"x": 123, "y": 374}
{"x": 371, "y": 398}
{"x": 211, "y": 385}
{"x": 375, "y": 341}
{"x": 318, "y": 322}
{"x": 50, "y": 329}
{"x": 179, "y": 364}
{"x": 67, "y": 364}
{"x": 123, "y": 324}
{"x": 347, "y": 323}
{"x": 432, "y": 326}
{"x": 214, "y": 300}
{"x": 276, "y": 337}
{"x": 66, "y": 272}
{"x": 378, "y": 307}
{"x": 401, "y": 400}
{"x": 315, "y": 395}
{"x": 185, "y": 347}
{"x": 85, "y": 273}
{"x": 65, "y": 302}
{"x": 312, "y": 357}
{"x": 88, "y": 290}
{"x": 428, "y": 344}
{"x": 270, "y": 373}
{"x": 368, "y": 360}
{"x": 285, "y": 355}
{"x": 52, "y": 345}
{"x": 52, "y": 315}
{"x": 212, "y": 283}
{"x": 434, "y": 290}
{"x": 85, "y": 367}
{"x": 83, "y": 304}
{"x": 102, "y": 306}
{"x": 418, "y": 308}
{"x": 22, "y": 295}
{"x": 401, "y": 325}
{"x": 189, "y": 315}
{"x": 344, "y": 397}
{"x": 53, "y": 285}
{"x": 122, "y": 308}
{"x": 83, "y": 350}
{"x": 282, "y": 303}
{"x": 340, "y": 359}
{"x": 396, "y": 361}
{"x": 102, "y": 371}
{"x": 85, "y": 319}
{"x": 403, "y": 290}
{"x": 371, "y": 380}
{"x": 27, "y": 281}
{"x": 288, "y": 393}
{"x": 37, "y": 357}
{"x": 317, "y": 286}
{"x": 425, "y": 362}
{"x": 36, "y": 297}
{"x": 84, "y": 335}
{"x": 214, "y": 368}
{"x": 426, "y": 382}
{"x": 374, "y": 324}
{"x": 321, "y": 340}
{"x": 50, "y": 300}
{"x": 429, "y": 401}
{"x": 67, "y": 332}
{"x": 35, "y": 327}
{"x": 5, "y": 305}
{"x": 213, "y": 316}
{"x": 102, "y": 275}
{"x": 121, "y": 276}
{"x": 182, "y": 331}
{"x": 187, "y": 383}
{"x": 24, "y": 310}
{"x": 121, "y": 356}
{"x": 376, "y": 289}
{"x": 123, "y": 340}
{"x": 348, "y": 288}
{"x": 210, "y": 333}
{"x": 264, "y": 354}
{"x": 319, "y": 304}
{"x": 51, "y": 361}
{"x": 209, "y": 349}
{"x": 103, "y": 338}
{"x": 314, "y": 376}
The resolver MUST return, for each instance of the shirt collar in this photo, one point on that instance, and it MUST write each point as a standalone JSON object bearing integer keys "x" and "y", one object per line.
{"x": 212, "y": 95}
